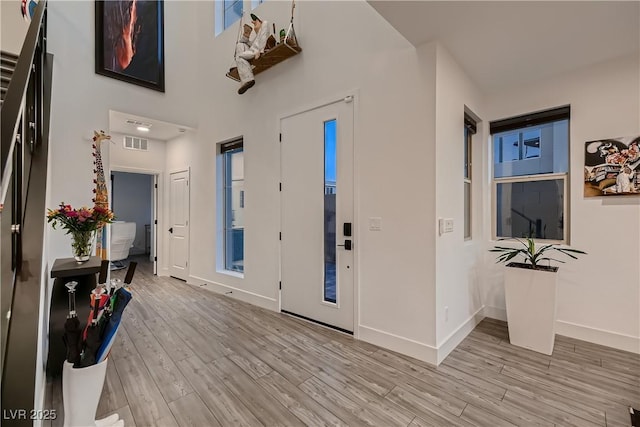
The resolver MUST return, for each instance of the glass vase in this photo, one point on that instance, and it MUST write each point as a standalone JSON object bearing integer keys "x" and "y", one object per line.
{"x": 82, "y": 244}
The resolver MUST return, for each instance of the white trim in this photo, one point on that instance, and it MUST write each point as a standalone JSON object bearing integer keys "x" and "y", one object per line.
{"x": 456, "y": 337}
{"x": 536, "y": 177}
{"x": 599, "y": 336}
{"x": 353, "y": 93}
{"x": 581, "y": 332}
{"x": 402, "y": 345}
{"x": 237, "y": 293}
{"x": 231, "y": 273}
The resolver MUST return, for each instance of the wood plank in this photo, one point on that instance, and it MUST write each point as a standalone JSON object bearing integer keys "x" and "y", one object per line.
{"x": 113, "y": 396}
{"x": 175, "y": 347}
{"x": 561, "y": 401}
{"x": 163, "y": 370}
{"x": 265, "y": 407}
{"x": 483, "y": 418}
{"x": 351, "y": 412}
{"x": 440, "y": 376}
{"x": 295, "y": 400}
{"x": 547, "y": 412}
{"x": 190, "y": 411}
{"x": 145, "y": 400}
{"x": 425, "y": 409}
{"x": 223, "y": 404}
{"x": 201, "y": 345}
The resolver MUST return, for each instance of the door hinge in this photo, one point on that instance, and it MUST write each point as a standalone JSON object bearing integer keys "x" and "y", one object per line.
{"x": 280, "y": 186}
{"x": 280, "y": 238}
{"x": 155, "y": 222}
{"x": 155, "y": 185}
{"x": 280, "y": 137}
{"x": 155, "y": 258}
{"x": 280, "y": 285}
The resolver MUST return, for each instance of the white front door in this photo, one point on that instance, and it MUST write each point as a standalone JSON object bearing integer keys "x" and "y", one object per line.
{"x": 317, "y": 261}
{"x": 179, "y": 225}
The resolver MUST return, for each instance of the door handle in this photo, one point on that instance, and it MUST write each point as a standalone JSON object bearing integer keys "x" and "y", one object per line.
{"x": 347, "y": 244}
{"x": 171, "y": 230}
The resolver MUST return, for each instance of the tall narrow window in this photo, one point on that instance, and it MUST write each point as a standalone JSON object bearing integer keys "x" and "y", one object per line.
{"x": 232, "y": 11}
{"x": 330, "y": 192}
{"x": 469, "y": 131}
{"x": 530, "y": 171}
{"x": 233, "y": 200}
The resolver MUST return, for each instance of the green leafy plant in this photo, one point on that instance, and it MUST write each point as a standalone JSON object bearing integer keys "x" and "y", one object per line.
{"x": 533, "y": 255}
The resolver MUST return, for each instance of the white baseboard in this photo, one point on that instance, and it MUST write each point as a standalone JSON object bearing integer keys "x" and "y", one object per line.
{"x": 456, "y": 337}
{"x": 598, "y": 336}
{"x": 495, "y": 313}
{"x": 163, "y": 272}
{"x": 400, "y": 344}
{"x": 230, "y": 291}
{"x": 582, "y": 332}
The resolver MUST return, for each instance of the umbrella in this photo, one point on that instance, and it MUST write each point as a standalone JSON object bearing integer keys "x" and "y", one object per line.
{"x": 72, "y": 332}
{"x": 93, "y": 331}
{"x": 120, "y": 299}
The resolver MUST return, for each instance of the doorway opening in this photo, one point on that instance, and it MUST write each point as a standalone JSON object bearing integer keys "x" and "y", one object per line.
{"x": 134, "y": 200}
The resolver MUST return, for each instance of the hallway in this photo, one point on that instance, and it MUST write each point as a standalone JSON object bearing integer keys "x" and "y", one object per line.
{"x": 187, "y": 356}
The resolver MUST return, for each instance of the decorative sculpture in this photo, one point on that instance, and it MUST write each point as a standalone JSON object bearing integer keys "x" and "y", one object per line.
{"x": 101, "y": 197}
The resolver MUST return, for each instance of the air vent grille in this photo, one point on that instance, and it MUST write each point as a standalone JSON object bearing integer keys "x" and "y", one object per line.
{"x": 135, "y": 143}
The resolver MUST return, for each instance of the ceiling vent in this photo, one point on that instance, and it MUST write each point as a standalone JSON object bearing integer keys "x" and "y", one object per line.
{"x": 135, "y": 143}
{"x": 138, "y": 123}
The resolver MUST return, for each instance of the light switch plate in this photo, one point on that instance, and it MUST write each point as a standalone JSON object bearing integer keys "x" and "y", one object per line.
{"x": 448, "y": 225}
{"x": 375, "y": 223}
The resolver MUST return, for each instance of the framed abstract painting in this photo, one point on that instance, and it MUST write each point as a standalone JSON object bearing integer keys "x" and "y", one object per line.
{"x": 130, "y": 41}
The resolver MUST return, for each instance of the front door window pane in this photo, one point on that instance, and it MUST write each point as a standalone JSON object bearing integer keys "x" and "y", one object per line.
{"x": 330, "y": 192}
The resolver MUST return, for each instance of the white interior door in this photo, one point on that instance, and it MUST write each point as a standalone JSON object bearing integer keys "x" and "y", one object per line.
{"x": 179, "y": 225}
{"x": 317, "y": 261}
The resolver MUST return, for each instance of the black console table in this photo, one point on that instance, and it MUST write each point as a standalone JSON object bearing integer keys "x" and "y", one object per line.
{"x": 65, "y": 270}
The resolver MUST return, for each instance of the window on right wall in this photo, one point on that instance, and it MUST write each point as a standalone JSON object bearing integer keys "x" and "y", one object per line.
{"x": 530, "y": 175}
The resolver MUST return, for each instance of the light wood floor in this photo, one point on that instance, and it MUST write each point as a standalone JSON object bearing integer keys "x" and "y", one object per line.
{"x": 189, "y": 357}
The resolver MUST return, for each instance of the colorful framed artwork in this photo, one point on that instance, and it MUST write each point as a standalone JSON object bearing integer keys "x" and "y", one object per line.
{"x": 130, "y": 41}
{"x": 612, "y": 167}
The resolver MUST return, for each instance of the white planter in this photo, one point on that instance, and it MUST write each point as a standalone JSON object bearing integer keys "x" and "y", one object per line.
{"x": 531, "y": 307}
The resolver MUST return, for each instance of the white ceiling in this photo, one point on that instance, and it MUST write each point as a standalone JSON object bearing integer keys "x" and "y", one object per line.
{"x": 159, "y": 130}
{"x": 507, "y": 43}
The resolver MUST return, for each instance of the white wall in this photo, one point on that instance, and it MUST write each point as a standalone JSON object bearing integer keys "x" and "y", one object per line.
{"x": 458, "y": 293}
{"x": 13, "y": 27}
{"x": 81, "y": 99}
{"x": 125, "y": 159}
{"x": 394, "y": 135}
{"x": 132, "y": 202}
{"x": 599, "y": 293}
{"x": 179, "y": 157}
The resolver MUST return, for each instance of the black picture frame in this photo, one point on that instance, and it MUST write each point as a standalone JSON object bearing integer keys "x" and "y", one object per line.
{"x": 130, "y": 50}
